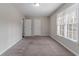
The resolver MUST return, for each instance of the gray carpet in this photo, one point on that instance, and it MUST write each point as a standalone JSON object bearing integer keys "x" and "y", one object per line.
{"x": 37, "y": 46}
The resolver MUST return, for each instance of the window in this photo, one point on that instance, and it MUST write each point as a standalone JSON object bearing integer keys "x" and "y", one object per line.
{"x": 60, "y": 25}
{"x": 67, "y": 23}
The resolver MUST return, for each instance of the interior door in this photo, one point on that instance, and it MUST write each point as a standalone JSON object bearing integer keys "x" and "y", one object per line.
{"x": 28, "y": 27}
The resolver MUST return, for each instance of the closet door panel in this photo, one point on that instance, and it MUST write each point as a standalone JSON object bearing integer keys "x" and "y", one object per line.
{"x": 27, "y": 27}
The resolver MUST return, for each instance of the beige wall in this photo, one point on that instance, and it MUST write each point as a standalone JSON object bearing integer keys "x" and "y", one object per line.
{"x": 44, "y": 25}
{"x": 10, "y": 26}
{"x": 71, "y": 45}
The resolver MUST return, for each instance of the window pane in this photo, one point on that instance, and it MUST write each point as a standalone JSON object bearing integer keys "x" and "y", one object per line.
{"x": 75, "y": 31}
{"x": 57, "y": 29}
{"x": 62, "y": 30}
{"x": 70, "y": 31}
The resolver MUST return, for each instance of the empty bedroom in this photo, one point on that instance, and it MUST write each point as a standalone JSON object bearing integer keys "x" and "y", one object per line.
{"x": 39, "y": 29}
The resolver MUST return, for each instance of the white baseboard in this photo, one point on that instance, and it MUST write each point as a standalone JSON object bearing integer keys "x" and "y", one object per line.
{"x": 66, "y": 46}
{"x": 9, "y": 47}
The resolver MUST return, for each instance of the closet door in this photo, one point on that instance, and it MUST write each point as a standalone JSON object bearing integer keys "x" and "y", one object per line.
{"x": 27, "y": 27}
{"x": 36, "y": 27}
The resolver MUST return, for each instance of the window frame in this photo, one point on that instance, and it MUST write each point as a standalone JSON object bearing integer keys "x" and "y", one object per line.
{"x": 74, "y": 8}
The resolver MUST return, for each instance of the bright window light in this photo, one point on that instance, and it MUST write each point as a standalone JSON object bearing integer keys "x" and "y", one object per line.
{"x": 67, "y": 23}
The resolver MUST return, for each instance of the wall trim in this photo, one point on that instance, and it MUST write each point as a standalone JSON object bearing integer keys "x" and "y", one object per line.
{"x": 9, "y": 47}
{"x": 65, "y": 46}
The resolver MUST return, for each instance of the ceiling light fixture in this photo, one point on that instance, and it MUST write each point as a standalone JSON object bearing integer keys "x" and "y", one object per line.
{"x": 36, "y": 4}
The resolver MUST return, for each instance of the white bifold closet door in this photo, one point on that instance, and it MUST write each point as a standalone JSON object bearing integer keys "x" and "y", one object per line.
{"x": 32, "y": 27}
{"x": 27, "y": 27}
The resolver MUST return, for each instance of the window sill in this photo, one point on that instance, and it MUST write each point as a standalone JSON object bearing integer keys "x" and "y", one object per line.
{"x": 68, "y": 38}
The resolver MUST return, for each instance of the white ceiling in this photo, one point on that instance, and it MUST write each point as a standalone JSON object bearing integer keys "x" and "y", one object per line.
{"x": 45, "y": 9}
